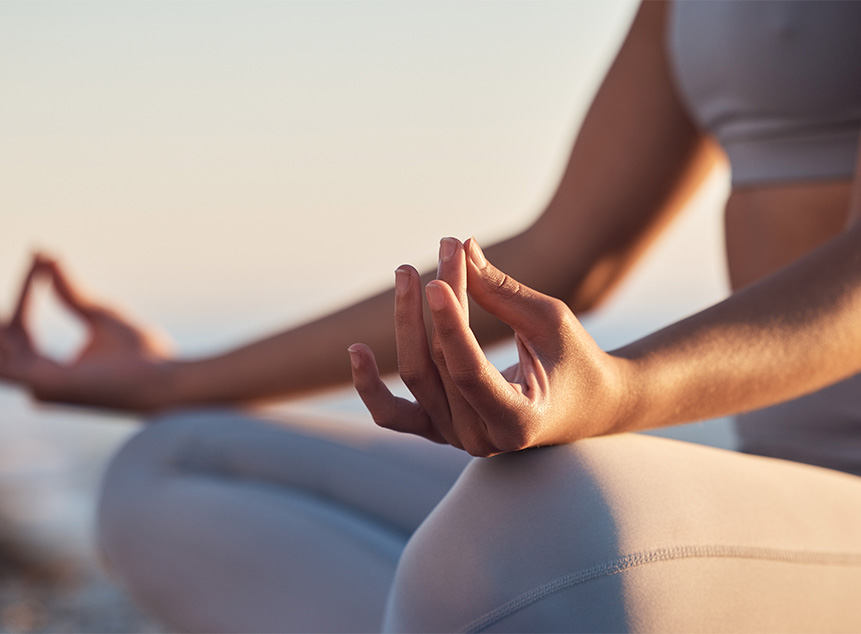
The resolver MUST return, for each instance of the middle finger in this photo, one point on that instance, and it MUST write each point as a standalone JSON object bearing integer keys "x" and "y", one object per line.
{"x": 466, "y": 425}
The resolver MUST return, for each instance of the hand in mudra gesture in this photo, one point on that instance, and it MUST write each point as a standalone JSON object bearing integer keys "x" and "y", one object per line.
{"x": 119, "y": 366}
{"x": 563, "y": 388}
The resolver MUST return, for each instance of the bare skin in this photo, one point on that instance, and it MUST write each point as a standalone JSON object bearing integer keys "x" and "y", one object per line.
{"x": 767, "y": 228}
{"x": 590, "y": 235}
{"x": 752, "y": 350}
{"x": 598, "y": 230}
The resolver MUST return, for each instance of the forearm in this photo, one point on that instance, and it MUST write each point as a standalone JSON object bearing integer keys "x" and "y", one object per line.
{"x": 592, "y": 231}
{"x": 790, "y": 334}
{"x": 313, "y": 356}
{"x": 293, "y": 362}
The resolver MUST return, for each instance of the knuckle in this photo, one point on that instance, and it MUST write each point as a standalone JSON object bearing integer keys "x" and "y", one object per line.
{"x": 403, "y": 320}
{"x": 512, "y": 444}
{"x": 383, "y": 416}
{"x": 454, "y": 442}
{"x": 437, "y": 352}
{"x": 478, "y": 449}
{"x": 468, "y": 379}
{"x": 507, "y": 286}
{"x": 557, "y": 311}
{"x": 444, "y": 327}
{"x": 518, "y": 443}
{"x": 412, "y": 377}
{"x": 368, "y": 389}
{"x": 383, "y": 421}
{"x": 515, "y": 436}
{"x": 364, "y": 390}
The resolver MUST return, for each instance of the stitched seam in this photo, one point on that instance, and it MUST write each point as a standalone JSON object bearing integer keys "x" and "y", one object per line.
{"x": 662, "y": 554}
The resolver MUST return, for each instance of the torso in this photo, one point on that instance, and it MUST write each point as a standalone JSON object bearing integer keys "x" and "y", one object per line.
{"x": 768, "y": 227}
{"x": 779, "y": 85}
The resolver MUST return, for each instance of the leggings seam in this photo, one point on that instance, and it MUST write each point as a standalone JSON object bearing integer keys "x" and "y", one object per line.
{"x": 634, "y": 560}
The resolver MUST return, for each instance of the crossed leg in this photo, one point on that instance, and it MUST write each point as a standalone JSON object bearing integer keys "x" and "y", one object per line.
{"x": 219, "y": 522}
{"x": 216, "y": 521}
{"x": 634, "y": 533}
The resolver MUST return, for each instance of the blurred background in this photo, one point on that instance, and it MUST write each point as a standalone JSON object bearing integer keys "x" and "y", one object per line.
{"x": 225, "y": 169}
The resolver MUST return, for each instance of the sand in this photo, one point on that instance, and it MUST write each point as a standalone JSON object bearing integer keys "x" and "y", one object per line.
{"x": 70, "y": 595}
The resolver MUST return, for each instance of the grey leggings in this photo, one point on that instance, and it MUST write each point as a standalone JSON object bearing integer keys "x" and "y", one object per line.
{"x": 217, "y": 521}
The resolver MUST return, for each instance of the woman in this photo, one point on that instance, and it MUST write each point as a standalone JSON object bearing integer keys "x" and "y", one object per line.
{"x": 220, "y": 522}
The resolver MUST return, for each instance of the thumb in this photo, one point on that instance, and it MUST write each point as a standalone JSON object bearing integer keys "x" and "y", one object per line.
{"x": 531, "y": 314}
{"x": 22, "y": 307}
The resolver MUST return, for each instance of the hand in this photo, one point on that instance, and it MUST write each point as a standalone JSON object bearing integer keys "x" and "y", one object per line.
{"x": 121, "y": 366}
{"x": 563, "y": 388}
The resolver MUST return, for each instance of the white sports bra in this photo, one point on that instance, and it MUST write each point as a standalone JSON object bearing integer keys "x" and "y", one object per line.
{"x": 778, "y": 83}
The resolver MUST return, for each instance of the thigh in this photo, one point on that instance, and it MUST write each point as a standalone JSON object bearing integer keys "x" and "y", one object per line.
{"x": 635, "y": 533}
{"x": 394, "y": 478}
{"x": 217, "y": 521}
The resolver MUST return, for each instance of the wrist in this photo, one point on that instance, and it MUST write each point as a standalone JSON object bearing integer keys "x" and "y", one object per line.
{"x": 173, "y": 385}
{"x": 629, "y": 402}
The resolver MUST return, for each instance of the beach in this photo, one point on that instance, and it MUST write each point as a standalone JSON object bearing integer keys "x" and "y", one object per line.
{"x": 51, "y": 578}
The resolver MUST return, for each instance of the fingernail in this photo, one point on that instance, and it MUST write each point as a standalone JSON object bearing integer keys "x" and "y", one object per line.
{"x": 436, "y": 297}
{"x": 447, "y": 247}
{"x": 476, "y": 255}
{"x": 354, "y": 357}
{"x": 402, "y": 280}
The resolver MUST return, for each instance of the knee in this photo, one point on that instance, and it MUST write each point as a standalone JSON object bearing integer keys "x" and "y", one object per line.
{"x": 626, "y": 533}
{"x": 543, "y": 540}
{"x": 510, "y": 531}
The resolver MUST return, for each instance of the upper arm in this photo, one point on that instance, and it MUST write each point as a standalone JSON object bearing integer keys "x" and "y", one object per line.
{"x": 637, "y": 156}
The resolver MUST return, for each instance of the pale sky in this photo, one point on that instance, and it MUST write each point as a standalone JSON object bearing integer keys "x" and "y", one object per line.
{"x": 228, "y": 168}
{"x": 225, "y": 168}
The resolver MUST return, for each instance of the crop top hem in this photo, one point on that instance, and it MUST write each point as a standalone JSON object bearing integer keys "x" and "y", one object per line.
{"x": 792, "y": 159}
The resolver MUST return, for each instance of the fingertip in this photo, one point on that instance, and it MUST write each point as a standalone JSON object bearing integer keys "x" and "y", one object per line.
{"x": 357, "y": 351}
{"x": 476, "y": 255}
{"x": 42, "y": 258}
{"x": 448, "y": 246}
{"x": 402, "y": 279}
{"x": 435, "y": 292}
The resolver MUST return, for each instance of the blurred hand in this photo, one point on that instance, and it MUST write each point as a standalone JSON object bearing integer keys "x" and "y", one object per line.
{"x": 563, "y": 388}
{"x": 122, "y": 365}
